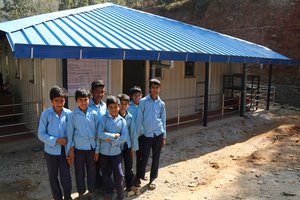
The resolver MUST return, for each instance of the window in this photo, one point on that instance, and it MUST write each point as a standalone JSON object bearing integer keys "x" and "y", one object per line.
{"x": 189, "y": 70}
{"x": 156, "y": 72}
{"x": 17, "y": 69}
{"x": 32, "y": 71}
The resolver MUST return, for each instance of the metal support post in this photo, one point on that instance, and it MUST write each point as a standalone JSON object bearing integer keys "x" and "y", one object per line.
{"x": 206, "y": 93}
{"x": 243, "y": 92}
{"x": 269, "y": 87}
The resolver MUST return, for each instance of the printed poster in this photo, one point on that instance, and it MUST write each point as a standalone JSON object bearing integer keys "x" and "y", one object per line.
{"x": 81, "y": 73}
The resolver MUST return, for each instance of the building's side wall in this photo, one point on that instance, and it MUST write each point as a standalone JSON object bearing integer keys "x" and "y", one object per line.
{"x": 177, "y": 91}
{"x": 116, "y": 77}
{"x": 217, "y": 70}
{"x": 36, "y": 77}
{"x": 52, "y": 69}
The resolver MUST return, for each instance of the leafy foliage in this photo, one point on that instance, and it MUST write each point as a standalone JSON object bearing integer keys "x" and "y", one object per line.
{"x": 14, "y": 9}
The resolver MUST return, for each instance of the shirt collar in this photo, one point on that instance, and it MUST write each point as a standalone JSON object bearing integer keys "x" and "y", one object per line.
{"x": 78, "y": 111}
{"x": 109, "y": 116}
{"x": 93, "y": 103}
{"x": 52, "y": 111}
{"x": 132, "y": 103}
{"x": 148, "y": 97}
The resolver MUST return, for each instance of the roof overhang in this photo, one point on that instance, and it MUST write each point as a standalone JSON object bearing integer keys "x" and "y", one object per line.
{"x": 42, "y": 51}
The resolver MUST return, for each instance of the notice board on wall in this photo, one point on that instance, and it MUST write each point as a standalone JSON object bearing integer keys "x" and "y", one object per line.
{"x": 81, "y": 73}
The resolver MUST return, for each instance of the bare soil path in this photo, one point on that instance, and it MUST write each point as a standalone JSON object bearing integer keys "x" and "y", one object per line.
{"x": 252, "y": 157}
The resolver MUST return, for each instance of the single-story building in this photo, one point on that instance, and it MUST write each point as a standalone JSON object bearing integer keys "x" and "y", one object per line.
{"x": 125, "y": 47}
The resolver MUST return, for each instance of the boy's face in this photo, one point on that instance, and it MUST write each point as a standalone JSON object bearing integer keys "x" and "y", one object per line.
{"x": 98, "y": 93}
{"x": 154, "y": 90}
{"x": 124, "y": 106}
{"x": 83, "y": 103}
{"x": 136, "y": 97}
{"x": 113, "y": 109}
{"x": 58, "y": 103}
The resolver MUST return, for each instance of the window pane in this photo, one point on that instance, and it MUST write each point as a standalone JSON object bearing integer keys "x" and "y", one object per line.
{"x": 189, "y": 69}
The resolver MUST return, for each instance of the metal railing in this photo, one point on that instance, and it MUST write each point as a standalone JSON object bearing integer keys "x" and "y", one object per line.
{"x": 186, "y": 110}
{"x": 19, "y": 118}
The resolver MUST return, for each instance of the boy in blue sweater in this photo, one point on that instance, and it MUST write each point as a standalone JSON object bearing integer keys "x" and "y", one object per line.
{"x": 130, "y": 146}
{"x": 52, "y": 132}
{"x": 112, "y": 135}
{"x": 152, "y": 117}
{"x": 82, "y": 143}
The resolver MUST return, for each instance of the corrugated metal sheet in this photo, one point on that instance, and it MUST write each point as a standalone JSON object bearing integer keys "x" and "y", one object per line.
{"x": 116, "y": 32}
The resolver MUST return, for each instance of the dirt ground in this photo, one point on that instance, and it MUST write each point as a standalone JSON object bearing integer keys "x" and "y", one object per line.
{"x": 252, "y": 157}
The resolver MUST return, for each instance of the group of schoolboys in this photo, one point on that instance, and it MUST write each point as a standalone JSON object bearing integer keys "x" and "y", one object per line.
{"x": 95, "y": 137}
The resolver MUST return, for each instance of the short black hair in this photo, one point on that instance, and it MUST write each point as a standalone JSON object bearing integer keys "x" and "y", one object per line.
{"x": 97, "y": 83}
{"x": 81, "y": 92}
{"x": 111, "y": 100}
{"x": 135, "y": 89}
{"x": 123, "y": 97}
{"x": 154, "y": 81}
{"x": 57, "y": 92}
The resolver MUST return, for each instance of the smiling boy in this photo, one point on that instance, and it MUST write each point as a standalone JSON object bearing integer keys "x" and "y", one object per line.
{"x": 152, "y": 117}
{"x": 52, "y": 132}
{"x": 82, "y": 142}
{"x": 112, "y": 135}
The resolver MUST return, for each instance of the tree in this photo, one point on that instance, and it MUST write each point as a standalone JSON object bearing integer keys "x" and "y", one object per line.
{"x": 14, "y": 9}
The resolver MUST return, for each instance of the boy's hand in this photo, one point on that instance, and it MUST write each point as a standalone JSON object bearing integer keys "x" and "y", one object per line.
{"x": 108, "y": 140}
{"x": 163, "y": 142}
{"x": 71, "y": 156}
{"x": 96, "y": 156}
{"x": 61, "y": 141}
{"x": 132, "y": 154}
{"x": 117, "y": 135}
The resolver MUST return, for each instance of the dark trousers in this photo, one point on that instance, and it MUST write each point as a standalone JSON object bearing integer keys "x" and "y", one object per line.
{"x": 128, "y": 162}
{"x": 99, "y": 181}
{"x": 138, "y": 155}
{"x": 147, "y": 144}
{"x": 112, "y": 165}
{"x": 84, "y": 161}
{"x": 58, "y": 164}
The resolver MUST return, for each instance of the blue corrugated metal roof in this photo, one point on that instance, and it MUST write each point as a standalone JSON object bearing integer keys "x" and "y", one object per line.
{"x": 116, "y": 32}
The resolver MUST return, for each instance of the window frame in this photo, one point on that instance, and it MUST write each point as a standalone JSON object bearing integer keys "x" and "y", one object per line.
{"x": 187, "y": 73}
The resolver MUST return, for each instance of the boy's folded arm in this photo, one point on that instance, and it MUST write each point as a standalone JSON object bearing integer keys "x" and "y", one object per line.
{"x": 103, "y": 134}
{"x": 48, "y": 139}
{"x": 106, "y": 135}
{"x": 118, "y": 141}
{"x": 122, "y": 138}
{"x": 43, "y": 134}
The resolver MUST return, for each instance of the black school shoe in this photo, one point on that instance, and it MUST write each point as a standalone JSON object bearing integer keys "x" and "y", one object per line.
{"x": 137, "y": 182}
